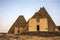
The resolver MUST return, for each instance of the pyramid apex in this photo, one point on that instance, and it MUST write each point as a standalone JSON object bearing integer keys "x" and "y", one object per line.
{"x": 21, "y": 16}
{"x": 41, "y": 7}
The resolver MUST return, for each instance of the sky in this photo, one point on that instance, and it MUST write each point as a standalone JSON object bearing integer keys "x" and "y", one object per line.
{"x": 11, "y": 9}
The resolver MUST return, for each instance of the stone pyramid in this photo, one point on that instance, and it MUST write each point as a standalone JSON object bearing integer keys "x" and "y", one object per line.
{"x": 42, "y": 13}
{"x": 20, "y": 22}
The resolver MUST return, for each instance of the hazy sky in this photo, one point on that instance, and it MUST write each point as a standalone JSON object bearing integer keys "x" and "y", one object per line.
{"x": 11, "y": 9}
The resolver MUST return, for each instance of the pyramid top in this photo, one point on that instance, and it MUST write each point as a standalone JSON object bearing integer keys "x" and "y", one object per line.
{"x": 40, "y": 13}
{"x": 20, "y": 21}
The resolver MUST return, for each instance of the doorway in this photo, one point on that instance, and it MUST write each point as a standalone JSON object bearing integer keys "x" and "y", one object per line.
{"x": 18, "y": 31}
{"x": 37, "y": 27}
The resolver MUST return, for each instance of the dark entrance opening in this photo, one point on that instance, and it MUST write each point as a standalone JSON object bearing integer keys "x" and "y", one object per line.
{"x": 37, "y": 27}
{"x": 18, "y": 31}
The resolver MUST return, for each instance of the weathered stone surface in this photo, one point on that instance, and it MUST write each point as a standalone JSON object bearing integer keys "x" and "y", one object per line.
{"x": 42, "y": 13}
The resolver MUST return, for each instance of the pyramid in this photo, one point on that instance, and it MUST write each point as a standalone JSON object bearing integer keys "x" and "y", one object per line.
{"x": 42, "y": 13}
{"x": 20, "y": 22}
